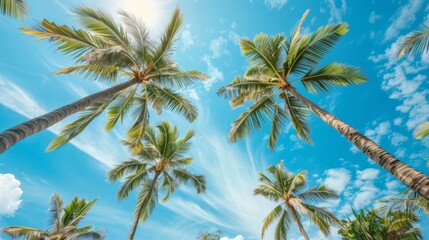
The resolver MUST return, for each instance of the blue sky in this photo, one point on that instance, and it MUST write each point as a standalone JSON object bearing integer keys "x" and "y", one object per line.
{"x": 386, "y": 108}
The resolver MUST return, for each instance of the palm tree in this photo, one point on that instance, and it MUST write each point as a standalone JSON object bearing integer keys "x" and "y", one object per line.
{"x": 269, "y": 84}
{"x": 287, "y": 189}
{"x": 405, "y": 200}
{"x": 107, "y": 50}
{"x": 159, "y": 166}
{"x": 417, "y": 43}
{"x": 14, "y": 8}
{"x": 370, "y": 225}
{"x": 64, "y": 222}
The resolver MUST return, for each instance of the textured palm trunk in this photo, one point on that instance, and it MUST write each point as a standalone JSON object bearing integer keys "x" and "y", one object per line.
{"x": 15, "y": 134}
{"x": 415, "y": 180}
{"x": 302, "y": 230}
{"x": 140, "y": 207}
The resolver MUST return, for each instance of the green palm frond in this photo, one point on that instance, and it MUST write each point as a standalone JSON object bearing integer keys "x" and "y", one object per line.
{"x": 198, "y": 181}
{"x": 102, "y": 24}
{"x": 310, "y": 49}
{"x": 263, "y": 51}
{"x": 298, "y": 114}
{"x": 168, "y": 38}
{"x": 14, "y": 8}
{"x": 317, "y": 194}
{"x": 148, "y": 197}
{"x": 416, "y": 43}
{"x": 56, "y": 209}
{"x": 74, "y": 128}
{"x": 322, "y": 218}
{"x": 139, "y": 34}
{"x": 253, "y": 119}
{"x": 131, "y": 183}
{"x": 177, "y": 79}
{"x": 129, "y": 167}
{"x": 272, "y": 216}
{"x": 76, "y": 211}
{"x": 69, "y": 40}
{"x": 137, "y": 131}
{"x": 120, "y": 108}
{"x": 164, "y": 98}
{"x": 330, "y": 75}
{"x": 297, "y": 182}
{"x": 96, "y": 73}
{"x": 282, "y": 227}
{"x": 26, "y": 232}
{"x": 421, "y": 131}
{"x": 278, "y": 125}
{"x": 170, "y": 184}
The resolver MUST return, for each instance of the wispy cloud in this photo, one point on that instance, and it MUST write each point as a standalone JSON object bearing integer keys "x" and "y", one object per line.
{"x": 276, "y": 3}
{"x": 403, "y": 18}
{"x": 337, "y": 9}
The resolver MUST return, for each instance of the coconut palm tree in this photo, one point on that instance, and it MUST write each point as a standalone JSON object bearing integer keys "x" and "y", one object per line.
{"x": 276, "y": 65}
{"x": 64, "y": 222}
{"x": 159, "y": 166}
{"x": 370, "y": 225}
{"x": 107, "y": 50}
{"x": 14, "y": 8}
{"x": 287, "y": 189}
{"x": 417, "y": 43}
{"x": 405, "y": 200}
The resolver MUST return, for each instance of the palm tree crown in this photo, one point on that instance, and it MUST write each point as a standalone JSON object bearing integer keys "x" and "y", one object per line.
{"x": 160, "y": 166}
{"x": 276, "y": 63}
{"x": 288, "y": 189}
{"x": 64, "y": 222}
{"x": 108, "y": 50}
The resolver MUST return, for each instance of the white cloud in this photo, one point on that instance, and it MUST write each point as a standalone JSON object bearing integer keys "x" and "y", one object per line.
{"x": 403, "y": 18}
{"x": 397, "y": 139}
{"x": 367, "y": 190}
{"x": 239, "y": 237}
{"x": 378, "y": 132}
{"x": 397, "y": 121}
{"x": 373, "y": 17}
{"x": 187, "y": 38}
{"x": 337, "y": 178}
{"x": 215, "y": 75}
{"x": 218, "y": 47}
{"x": 336, "y": 12}
{"x": 10, "y": 197}
{"x": 275, "y": 3}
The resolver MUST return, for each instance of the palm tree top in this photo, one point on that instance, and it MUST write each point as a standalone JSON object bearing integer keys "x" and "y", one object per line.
{"x": 294, "y": 200}
{"x": 276, "y": 63}
{"x": 14, "y": 8}
{"x": 64, "y": 221}
{"x": 105, "y": 49}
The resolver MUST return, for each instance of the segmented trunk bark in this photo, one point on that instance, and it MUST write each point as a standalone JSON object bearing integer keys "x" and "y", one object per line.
{"x": 415, "y": 180}
{"x": 15, "y": 134}
{"x": 140, "y": 207}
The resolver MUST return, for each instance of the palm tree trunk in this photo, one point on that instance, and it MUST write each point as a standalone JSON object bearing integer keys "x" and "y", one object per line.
{"x": 415, "y": 180}
{"x": 140, "y": 207}
{"x": 301, "y": 229}
{"x": 15, "y": 134}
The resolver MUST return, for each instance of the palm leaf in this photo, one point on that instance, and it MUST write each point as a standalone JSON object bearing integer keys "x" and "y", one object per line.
{"x": 278, "y": 124}
{"x": 298, "y": 114}
{"x": 330, "y": 75}
{"x": 120, "y": 108}
{"x": 14, "y": 8}
{"x": 421, "y": 131}
{"x": 417, "y": 43}
{"x": 183, "y": 175}
{"x": 272, "y": 216}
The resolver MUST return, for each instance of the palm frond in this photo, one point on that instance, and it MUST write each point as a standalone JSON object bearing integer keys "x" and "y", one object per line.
{"x": 128, "y": 167}
{"x": 282, "y": 227}
{"x": 272, "y": 216}
{"x": 278, "y": 125}
{"x": 183, "y": 175}
{"x": 322, "y": 218}
{"x": 131, "y": 183}
{"x": 421, "y": 131}
{"x": 298, "y": 114}
{"x": 26, "y": 232}
{"x": 417, "y": 43}
{"x": 317, "y": 194}
{"x": 330, "y": 75}
{"x": 96, "y": 73}
{"x": 253, "y": 119}
{"x": 74, "y": 128}
{"x": 120, "y": 108}
{"x": 14, "y": 8}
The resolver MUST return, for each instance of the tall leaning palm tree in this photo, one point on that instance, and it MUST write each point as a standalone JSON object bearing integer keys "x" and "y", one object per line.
{"x": 109, "y": 51}
{"x": 417, "y": 43}
{"x": 160, "y": 166}
{"x": 64, "y": 222}
{"x": 276, "y": 65}
{"x": 288, "y": 190}
{"x": 14, "y": 8}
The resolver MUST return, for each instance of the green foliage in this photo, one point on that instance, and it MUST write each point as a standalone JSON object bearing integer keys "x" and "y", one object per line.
{"x": 14, "y": 8}
{"x": 288, "y": 189}
{"x": 64, "y": 222}
{"x": 105, "y": 49}
{"x": 416, "y": 43}
{"x": 159, "y": 167}
{"x": 422, "y": 130}
{"x": 275, "y": 64}
{"x": 209, "y": 235}
{"x": 371, "y": 225}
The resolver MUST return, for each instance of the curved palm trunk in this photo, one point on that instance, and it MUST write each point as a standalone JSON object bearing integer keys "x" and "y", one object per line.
{"x": 414, "y": 179}
{"x": 15, "y": 134}
{"x": 140, "y": 207}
